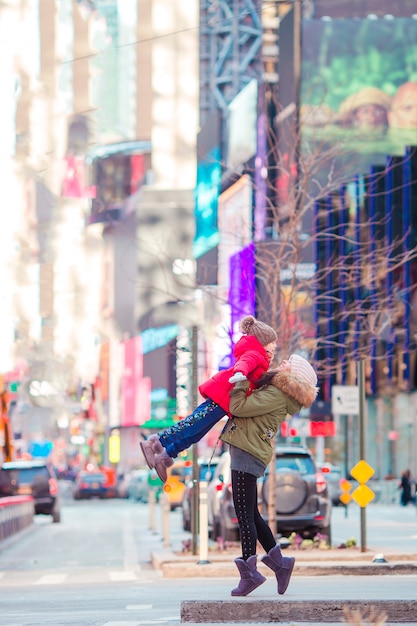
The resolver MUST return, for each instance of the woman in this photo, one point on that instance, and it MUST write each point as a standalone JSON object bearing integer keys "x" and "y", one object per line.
{"x": 285, "y": 390}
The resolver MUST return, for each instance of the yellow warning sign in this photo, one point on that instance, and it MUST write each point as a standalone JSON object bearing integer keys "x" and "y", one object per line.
{"x": 363, "y": 495}
{"x": 362, "y": 472}
{"x": 345, "y": 498}
{"x": 345, "y": 486}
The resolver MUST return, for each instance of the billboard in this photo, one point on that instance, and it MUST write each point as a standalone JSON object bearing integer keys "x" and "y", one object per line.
{"x": 359, "y": 90}
{"x": 242, "y": 287}
{"x": 242, "y": 114}
{"x": 209, "y": 172}
{"x": 135, "y": 389}
{"x": 235, "y": 228}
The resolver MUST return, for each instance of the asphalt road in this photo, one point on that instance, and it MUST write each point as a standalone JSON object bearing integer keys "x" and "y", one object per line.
{"x": 94, "y": 569}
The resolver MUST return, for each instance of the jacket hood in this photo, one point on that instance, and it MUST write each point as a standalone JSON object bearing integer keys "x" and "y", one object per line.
{"x": 301, "y": 392}
{"x": 248, "y": 342}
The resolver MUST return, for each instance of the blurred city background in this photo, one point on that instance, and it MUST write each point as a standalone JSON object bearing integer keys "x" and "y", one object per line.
{"x": 168, "y": 167}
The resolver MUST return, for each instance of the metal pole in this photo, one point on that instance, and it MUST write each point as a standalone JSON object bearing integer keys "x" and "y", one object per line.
{"x": 362, "y": 440}
{"x": 195, "y": 473}
{"x": 297, "y": 74}
{"x": 151, "y": 508}
{"x": 346, "y": 463}
{"x": 165, "y": 511}
{"x": 195, "y": 496}
{"x": 203, "y": 524}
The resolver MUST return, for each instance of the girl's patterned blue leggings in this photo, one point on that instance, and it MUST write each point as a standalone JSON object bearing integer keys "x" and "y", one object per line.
{"x": 192, "y": 428}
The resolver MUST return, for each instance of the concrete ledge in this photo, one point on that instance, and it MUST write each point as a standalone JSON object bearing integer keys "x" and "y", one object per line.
{"x": 246, "y": 610}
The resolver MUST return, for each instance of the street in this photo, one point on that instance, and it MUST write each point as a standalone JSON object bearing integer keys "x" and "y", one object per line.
{"x": 93, "y": 569}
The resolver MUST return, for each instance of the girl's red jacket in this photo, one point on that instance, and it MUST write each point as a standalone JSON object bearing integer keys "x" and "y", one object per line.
{"x": 252, "y": 360}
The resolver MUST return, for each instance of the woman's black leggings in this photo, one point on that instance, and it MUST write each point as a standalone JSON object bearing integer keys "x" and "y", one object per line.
{"x": 252, "y": 526}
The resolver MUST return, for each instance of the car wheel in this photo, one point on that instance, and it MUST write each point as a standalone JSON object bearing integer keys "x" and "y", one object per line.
{"x": 291, "y": 492}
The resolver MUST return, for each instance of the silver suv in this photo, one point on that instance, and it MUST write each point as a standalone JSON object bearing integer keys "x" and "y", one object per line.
{"x": 302, "y": 500}
{"x": 303, "y": 504}
{"x": 36, "y": 478}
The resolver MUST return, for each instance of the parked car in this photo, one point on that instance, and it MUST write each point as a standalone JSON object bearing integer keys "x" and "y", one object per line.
{"x": 221, "y": 481}
{"x": 138, "y": 485}
{"x": 174, "y": 486}
{"x": 333, "y": 475}
{"x": 91, "y": 484}
{"x": 123, "y": 481}
{"x": 36, "y": 478}
{"x": 207, "y": 469}
{"x": 303, "y": 504}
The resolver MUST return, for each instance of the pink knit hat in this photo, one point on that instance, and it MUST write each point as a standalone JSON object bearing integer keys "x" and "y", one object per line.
{"x": 302, "y": 370}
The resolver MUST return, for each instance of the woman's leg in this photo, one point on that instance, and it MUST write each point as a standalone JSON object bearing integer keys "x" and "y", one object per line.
{"x": 245, "y": 501}
{"x": 244, "y": 498}
{"x": 265, "y": 535}
{"x": 192, "y": 428}
{"x": 252, "y": 525}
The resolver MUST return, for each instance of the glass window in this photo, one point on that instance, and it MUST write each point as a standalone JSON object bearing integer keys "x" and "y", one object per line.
{"x": 302, "y": 464}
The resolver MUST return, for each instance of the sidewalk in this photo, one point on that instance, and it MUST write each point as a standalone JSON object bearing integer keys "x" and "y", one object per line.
{"x": 398, "y": 550}
{"x": 314, "y": 562}
{"x": 323, "y": 585}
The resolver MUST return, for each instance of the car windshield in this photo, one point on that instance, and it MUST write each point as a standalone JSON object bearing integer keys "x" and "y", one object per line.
{"x": 207, "y": 471}
{"x": 28, "y": 474}
{"x": 299, "y": 463}
{"x": 94, "y": 478}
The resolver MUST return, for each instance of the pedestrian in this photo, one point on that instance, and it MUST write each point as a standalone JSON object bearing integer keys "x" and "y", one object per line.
{"x": 253, "y": 353}
{"x": 405, "y": 485}
{"x": 249, "y": 433}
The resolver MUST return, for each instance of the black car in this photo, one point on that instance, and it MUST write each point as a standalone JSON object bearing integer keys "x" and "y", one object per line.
{"x": 36, "y": 478}
{"x": 91, "y": 484}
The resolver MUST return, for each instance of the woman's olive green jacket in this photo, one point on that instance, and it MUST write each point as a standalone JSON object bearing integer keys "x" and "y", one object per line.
{"x": 257, "y": 416}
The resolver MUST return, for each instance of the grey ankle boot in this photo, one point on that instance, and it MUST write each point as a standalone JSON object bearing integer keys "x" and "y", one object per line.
{"x": 282, "y": 566}
{"x": 250, "y": 578}
{"x": 150, "y": 448}
{"x": 162, "y": 461}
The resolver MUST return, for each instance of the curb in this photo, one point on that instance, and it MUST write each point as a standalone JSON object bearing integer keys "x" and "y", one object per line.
{"x": 317, "y": 611}
{"x": 307, "y": 564}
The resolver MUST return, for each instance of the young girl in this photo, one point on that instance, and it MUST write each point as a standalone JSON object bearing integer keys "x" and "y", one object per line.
{"x": 253, "y": 353}
{"x": 255, "y": 422}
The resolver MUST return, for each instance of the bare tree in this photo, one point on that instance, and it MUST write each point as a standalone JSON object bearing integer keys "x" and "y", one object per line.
{"x": 334, "y": 274}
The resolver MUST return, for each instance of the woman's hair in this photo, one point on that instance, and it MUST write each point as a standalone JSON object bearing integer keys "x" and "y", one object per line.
{"x": 266, "y": 378}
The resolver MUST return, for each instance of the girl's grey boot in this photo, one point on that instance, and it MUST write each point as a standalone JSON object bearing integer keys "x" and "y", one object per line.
{"x": 250, "y": 578}
{"x": 161, "y": 463}
{"x": 282, "y": 566}
{"x": 150, "y": 448}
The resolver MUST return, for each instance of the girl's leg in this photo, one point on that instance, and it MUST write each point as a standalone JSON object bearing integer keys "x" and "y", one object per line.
{"x": 192, "y": 428}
